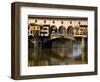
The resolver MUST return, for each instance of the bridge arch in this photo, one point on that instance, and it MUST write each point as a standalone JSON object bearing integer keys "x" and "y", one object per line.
{"x": 58, "y": 40}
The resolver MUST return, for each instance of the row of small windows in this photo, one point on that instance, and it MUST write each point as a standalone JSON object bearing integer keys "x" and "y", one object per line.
{"x": 54, "y": 22}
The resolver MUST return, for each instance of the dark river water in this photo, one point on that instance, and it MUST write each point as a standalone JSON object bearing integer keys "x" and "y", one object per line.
{"x": 62, "y": 52}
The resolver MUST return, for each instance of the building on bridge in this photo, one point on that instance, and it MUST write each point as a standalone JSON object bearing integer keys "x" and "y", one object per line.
{"x": 48, "y": 27}
{"x": 38, "y": 33}
{"x": 38, "y": 30}
{"x": 33, "y": 29}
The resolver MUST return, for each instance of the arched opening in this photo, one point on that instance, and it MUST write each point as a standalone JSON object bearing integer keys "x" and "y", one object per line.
{"x": 53, "y": 29}
{"x": 62, "y": 30}
{"x": 70, "y": 30}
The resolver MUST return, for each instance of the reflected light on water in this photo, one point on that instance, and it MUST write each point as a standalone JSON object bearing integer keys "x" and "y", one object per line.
{"x": 61, "y": 53}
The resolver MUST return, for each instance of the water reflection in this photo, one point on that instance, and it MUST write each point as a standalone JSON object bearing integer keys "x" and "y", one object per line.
{"x": 63, "y": 52}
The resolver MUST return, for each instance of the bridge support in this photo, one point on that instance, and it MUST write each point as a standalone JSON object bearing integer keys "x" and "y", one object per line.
{"x": 82, "y": 47}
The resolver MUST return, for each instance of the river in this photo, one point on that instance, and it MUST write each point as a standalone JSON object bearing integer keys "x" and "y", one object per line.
{"x": 62, "y": 52}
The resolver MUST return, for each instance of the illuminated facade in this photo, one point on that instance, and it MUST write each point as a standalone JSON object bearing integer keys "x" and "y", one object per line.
{"x": 77, "y": 28}
{"x": 33, "y": 29}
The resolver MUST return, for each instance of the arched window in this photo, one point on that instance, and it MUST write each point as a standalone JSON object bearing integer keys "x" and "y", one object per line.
{"x": 53, "y": 29}
{"x": 62, "y": 29}
{"x": 70, "y": 30}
